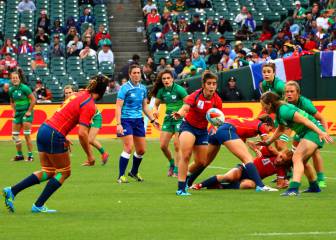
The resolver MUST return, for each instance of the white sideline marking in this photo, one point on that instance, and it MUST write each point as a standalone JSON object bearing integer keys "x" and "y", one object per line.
{"x": 215, "y": 167}
{"x": 293, "y": 233}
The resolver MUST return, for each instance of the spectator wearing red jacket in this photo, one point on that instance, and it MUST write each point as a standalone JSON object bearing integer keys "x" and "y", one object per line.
{"x": 25, "y": 46}
{"x": 8, "y": 47}
{"x": 101, "y": 34}
{"x": 153, "y": 17}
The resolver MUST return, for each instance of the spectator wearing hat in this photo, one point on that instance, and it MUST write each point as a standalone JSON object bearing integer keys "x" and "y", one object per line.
{"x": 204, "y": 4}
{"x": 57, "y": 27}
{"x": 41, "y": 36}
{"x": 148, "y": 7}
{"x": 101, "y": 34}
{"x": 214, "y": 56}
{"x": 38, "y": 61}
{"x": 196, "y": 25}
{"x": 106, "y": 55}
{"x": 8, "y": 47}
{"x": 159, "y": 45}
{"x": 74, "y": 46}
{"x": 231, "y": 92}
{"x": 56, "y": 48}
{"x": 42, "y": 93}
{"x": 86, "y": 17}
{"x": 210, "y": 26}
{"x": 25, "y": 46}
{"x": 23, "y": 31}
{"x": 299, "y": 11}
{"x": 153, "y": 17}
{"x": 240, "y": 18}
{"x": 26, "y": 5}
{"x": 182, "y": 25}
{"x": 198, "y": 61}
{"x": 179, "y": 7}
{"x": 288, "y": 50}
{"x": 169, "y": 26}
{"x": 43, "y": 21}
{"x": 4, "y": 93}
{"x": 199, "y": 47}
{"x": 224, "y": 25}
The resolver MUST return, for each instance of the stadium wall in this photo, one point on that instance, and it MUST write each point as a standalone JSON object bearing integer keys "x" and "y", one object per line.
{"x": 233, "y": 110}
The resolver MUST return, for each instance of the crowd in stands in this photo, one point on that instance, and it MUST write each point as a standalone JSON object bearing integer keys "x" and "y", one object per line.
{"x": 305, "y": 30}
{"x": 51, "y": 38}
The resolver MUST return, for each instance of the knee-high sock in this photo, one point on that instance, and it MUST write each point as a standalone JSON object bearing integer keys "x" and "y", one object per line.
{"x": 123, "y": 162}
{"x": 136, "y": 163}
{"x": 192, "y": 177}
{"x": 49, "y": 189}
{"x": 253, "y": 174}
{"x": 25, "y": 183}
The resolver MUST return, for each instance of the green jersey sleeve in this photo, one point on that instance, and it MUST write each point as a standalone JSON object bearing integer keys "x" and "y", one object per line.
{"x": 307, "y": 106}
{"x": 286, "y": 114}
{"x": 182, "y": 93}
{"x": 264, "y": 86}
{"x": 279, "y": 87}
{"x": 159, "y": 94}
{"x": 26, "y": 90}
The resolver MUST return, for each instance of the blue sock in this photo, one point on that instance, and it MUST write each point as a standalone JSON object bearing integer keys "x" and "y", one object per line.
{"x": 210, "y": 182}
{"x": 25, "y": 183}
{"x": 123, "y": 162}
{"x": 181, "y": 186}
{"x": 314, "y": 186}
{"x": 136, "y": 163}
{"x": 253, "y": 174}
{"x": 49, "y": 189}
{"x": 192, "y": 177}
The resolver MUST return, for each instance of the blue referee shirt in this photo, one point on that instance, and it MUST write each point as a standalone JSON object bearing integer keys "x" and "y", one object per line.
{"x": 133, "y": 96}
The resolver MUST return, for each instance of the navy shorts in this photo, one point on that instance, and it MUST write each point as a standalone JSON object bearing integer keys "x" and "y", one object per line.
{"x": 50, "y": 140}
{"x": 201, "y": 135}
{"x": 225, "y": 132}
{"x": 244, "y": 174}
{"x": 133, "y": 126}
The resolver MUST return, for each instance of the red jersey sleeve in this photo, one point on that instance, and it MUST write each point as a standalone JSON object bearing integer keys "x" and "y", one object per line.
{"x": 281, "y": 172}
{"x": 86, "y": 113}
{"x": 262, "y": 130}
{"x": 191, "y": 99}
{"x": 264, "y": 151}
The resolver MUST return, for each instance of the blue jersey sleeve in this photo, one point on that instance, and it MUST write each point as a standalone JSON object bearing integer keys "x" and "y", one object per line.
{"x": 122, "y": 93}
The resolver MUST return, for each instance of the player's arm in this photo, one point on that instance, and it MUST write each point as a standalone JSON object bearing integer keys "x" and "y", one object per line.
{"x": 83, "y": 134}
{"x": 254, "y": 147}
{"x": 319, "y": 117}
{"x": 31, "y": 105}
{"x": 156, "y": 108}
{"x": 149, "y": 114}
{"x": 119, "y": 105}
{"x": 281, "y": 182}
{"x": 309, "y": 124}
{"x": 277, "y": 133}
{"x": 181, "y": 112}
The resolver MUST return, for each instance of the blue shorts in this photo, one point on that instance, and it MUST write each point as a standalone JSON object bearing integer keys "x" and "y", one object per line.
{"x": 225, "y": 132}
{"x": 50, "y": 140}
{"x": 133, "y": 126}
{"x": 201, "y": 135}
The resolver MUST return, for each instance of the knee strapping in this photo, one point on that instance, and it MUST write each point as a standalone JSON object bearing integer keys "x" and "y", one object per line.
{"x": 137, "y": 155}
{"x": 125, "y": 155}
{"x": 16, "y": 138}
{"x": 27, "y": 132}
{"x": 284, "y": 138}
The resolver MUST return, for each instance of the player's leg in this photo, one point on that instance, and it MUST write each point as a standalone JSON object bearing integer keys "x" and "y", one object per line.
{"x": 187, "y": 140}
{"x": 16, "y": 127}
{"x": 177, "y": 153}
{"x": 199, "y": 164}
{"x": 140, "y": 148}
{"x": 94, "y": 142}
{"x": 247, "y": 184}
{"x": 282, "y": 142}
{"x": 313, "y": 183}
{"x": 164, "y": 145}
{"x": 26, "y": 132}
{"x": 124, "y": 157}
{"x": 319, "y": 167}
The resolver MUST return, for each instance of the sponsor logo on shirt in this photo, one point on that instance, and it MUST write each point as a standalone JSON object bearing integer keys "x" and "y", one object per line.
{"x": 200, "y": 104}
{"x": 266, "y": 161}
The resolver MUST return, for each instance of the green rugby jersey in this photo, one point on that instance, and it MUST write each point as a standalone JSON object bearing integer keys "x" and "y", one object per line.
{"x": 306, "y": 105}
{"x": 172, "y": 97}
{"x": 19, "y": 95}
{"x": 277, "y": 86}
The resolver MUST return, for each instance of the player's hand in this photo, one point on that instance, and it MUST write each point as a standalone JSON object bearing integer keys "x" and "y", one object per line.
{"x": 120, "y": 129}
{"x": 156, "y": 114}
{"x": 176, "y": 115}
{"x": 212, "y": 130}
{"x": 156, "y": 125}
{"x": 28, "y": 114}
{"x": 325, "y": 136}
{"x": 257, "y": 152}
{"x": 262, "y": 143}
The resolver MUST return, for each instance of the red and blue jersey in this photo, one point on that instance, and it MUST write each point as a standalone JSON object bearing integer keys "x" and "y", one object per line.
{"x": 266, "y": 165}
{"x": 199, "y": 105}
{"x": 79, "y": 108}
{"x": 247, "y": 128}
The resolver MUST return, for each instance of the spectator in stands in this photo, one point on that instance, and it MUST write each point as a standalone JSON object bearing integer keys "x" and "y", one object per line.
{"x": 323, "y": 20}
{"x": 43, "y": 21}
{"x": 224, "y": 25}
{"x": 8, "y": 47}
{"x": 226, "y": 62}
{"x": 56, "y": 48}
{"x": 74, "y": 46}
{"x": 70, "y": 23}
{"x": 38, "y": 62}
{"x": 244, "y": 33}
{"x": 123, "y": 81}
{"x": 106, "y": 55}
{"x": 72, "y": 32}
{"x": 57, "y": 27}
{"x": 315, "y": 11}
{"x": 42, "y": 93}
{"x": 40, "y": 50}
{"x": 183, "y": 57}
{"x": 299, "y": 11}
{"x": 204, "y": 4}
{"x": 148, "y": 7}
{"x": 153, "y": 17}
{"x": 240, "y": 18}
{"x": 41, "y": 36}
{"x": 192, "y": 73}
{"x": 87, "y": 52}
{"x": 162, "y": 65}
{"x": 331, "y": 4}
{"x": 219, "y": 68}
{"x": 25, "y": 46}
{"x": 169, "y": 26}
{"x": 250, "y": 22}
{"x": 23, "y": 31}
{"x": 210, "y": 26}
{"x": 182, "y": 25}
{"x": 186, "y": 69}
{"x": 88, "y": 36}
{"x": 8, "y": 63}
{"x": 310, "y": 43}
{"x": 26, "y": 5}
{"x": 178, "y": 67}
{"x": 267, "y": 31}
{"x": 124, "y": 70}
{"x": 4, "y": 96}
{"x": 150, "y": 61}
{"x": 199, "y": 47}
{"x": 179, "y": 7}
{"x": 101, "y": 34}
{"x": 86, "y": 17}
{"x": 176, "y": 44}
{"x": 147, "y": 71}
{"x": 159, "y": 45}
{"x": 288, "y": 50}
{"x": 198, "y": 61}
{"x": 308, "y": 23}
{"x": 167, "y": 9}
{"x": 112, "y": 87}
{"x": 279, "y": 40}
{"x": 271, "y": 51}
{"x": 231, "y": 92}
{"x": 214, "y": 57}
{"x": 196, "y": 25}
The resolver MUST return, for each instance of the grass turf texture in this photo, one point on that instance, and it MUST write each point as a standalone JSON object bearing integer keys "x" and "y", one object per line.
{"x": 91, "y": 205}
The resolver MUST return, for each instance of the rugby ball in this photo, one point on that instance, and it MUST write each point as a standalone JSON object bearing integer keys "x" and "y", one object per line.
{"x": 215, "y": 116}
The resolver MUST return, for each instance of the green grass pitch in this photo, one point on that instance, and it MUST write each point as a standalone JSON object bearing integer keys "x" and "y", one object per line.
{"x": 91, "y": 205}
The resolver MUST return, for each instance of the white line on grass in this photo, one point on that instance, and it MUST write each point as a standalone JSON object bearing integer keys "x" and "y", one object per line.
{"x": 215, "y": 167}
{"x": 292, "y": 233}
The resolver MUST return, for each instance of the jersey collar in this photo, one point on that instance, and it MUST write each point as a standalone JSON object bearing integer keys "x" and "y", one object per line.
{"x": 132, "y": 85}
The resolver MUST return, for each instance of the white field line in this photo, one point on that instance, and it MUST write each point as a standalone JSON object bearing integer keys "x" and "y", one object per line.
{"x": 271, "y": 234}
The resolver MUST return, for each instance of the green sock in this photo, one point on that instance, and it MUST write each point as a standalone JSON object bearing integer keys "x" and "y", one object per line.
{"x": 320, "y": 176}
{"x": 294, "y": 185}
{"x": 101, "y": 150}
{"x": 175, "y": 169}
{"x": 19, "y": 153}
{"x": 30, "y": 154}
{"x": 171, "y": 163}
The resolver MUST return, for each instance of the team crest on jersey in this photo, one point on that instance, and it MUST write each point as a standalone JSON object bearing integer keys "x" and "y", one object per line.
{"x": 132, "y": 95}
{"x": 173, "y": 97}
{"x": 200, "y": 104}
